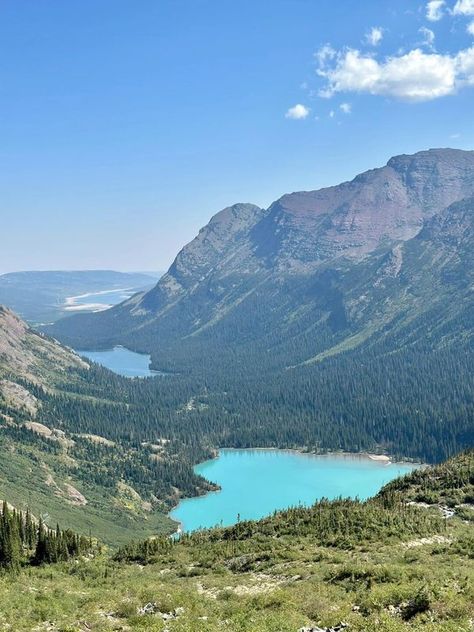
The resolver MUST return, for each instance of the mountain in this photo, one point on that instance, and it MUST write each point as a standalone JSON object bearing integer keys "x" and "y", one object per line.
{"x": 315, "y": 273}
{"x": 281, "y": 322}
{"x": 45, "y": 296}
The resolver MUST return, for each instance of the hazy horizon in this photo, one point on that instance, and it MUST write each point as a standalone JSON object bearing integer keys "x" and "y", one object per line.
{"x": 122, "y": 135}
{"x": 149, "y": 272}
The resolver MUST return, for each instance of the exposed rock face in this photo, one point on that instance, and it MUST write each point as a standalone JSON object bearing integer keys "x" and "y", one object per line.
{"x": 452, "y": 227}
{"x": 220, "y": 247}
{"x": 337, "y": 628}
{"x": 354, "y": 218}
{"x": 27, "y": 354}
{"x": 74, "y": 495}
{"x": 301, "y": 231}
{"x": 321, "y": 257}
{"x": 17, "y": 396}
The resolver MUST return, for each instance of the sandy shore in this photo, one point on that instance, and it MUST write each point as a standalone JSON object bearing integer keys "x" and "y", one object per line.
{"x": 379, "y": 457}
{"x": 71, "y": 305}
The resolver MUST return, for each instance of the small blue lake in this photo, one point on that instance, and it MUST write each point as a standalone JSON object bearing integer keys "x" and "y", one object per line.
{"x": 122, "y": 361}
{"x": 255, "y": 483}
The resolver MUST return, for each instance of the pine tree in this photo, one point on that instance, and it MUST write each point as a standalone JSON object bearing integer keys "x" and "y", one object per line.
{"x": 10, "y": 542}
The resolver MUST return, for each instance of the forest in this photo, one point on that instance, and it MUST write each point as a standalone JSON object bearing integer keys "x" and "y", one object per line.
{"x": 26, "y": 540}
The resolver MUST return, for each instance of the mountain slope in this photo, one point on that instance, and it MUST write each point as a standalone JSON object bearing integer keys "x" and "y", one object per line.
{"x": 84, "y": 446}
{"x": 335, "y": 319}
{"x": 324, "y": 270}
{"x": 29, "y": 354}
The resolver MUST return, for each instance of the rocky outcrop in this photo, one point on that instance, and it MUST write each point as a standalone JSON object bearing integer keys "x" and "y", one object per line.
{"x": 220, "y": 247}
{"x": 30, "y": 355}
{"x": 354, "y": 218}
{"x": 336, "y": 628}
{"x": 17, "y": 396}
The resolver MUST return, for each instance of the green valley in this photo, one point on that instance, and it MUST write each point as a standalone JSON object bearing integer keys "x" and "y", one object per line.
{"x": 337, "y": 320}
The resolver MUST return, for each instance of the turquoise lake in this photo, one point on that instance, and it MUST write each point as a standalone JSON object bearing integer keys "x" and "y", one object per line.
{"x": 255, "y": 483}
{"x": 122, "y": 361}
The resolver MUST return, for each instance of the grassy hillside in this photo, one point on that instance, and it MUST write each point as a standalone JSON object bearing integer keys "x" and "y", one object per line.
{"x": 77, "y": 444}
{"x": 450, "y": 483}
{"x": 379, "y": 566}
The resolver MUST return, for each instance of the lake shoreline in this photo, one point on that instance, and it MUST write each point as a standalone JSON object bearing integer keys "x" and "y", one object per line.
{"x": 381, "y": 459}
{"x": 71, "y": 305}
{"x": 122, "y": 361}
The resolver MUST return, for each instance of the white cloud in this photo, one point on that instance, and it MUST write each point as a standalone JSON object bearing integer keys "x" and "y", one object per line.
{"x": 332, "y": 114}
{"x": 374, "y": 36}
{"x": 297, "y": 112}
{"x": 428, "y": 36}
{"x": 413, "y": 76}
{"x": 346, "y": 108}
{"x": 470, "y": 28}
{"x": 464, "y": 7}
{"x": 435, "y": 10}
{"x": 325, "y": 54}
{"x": 465, "y": 67}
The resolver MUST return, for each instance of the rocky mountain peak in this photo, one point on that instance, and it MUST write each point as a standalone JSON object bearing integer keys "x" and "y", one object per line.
{"x": 405, "y": 162}
{"x": 304, "y": 239}
{"x": 216, "y": 240}
{"x": 10, "y": 324}
{"x": 381, "y": 205}
{"x": 214, "y": 246}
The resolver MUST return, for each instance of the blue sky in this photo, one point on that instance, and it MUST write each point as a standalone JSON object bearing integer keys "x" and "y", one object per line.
{"x": 126, "y": 124}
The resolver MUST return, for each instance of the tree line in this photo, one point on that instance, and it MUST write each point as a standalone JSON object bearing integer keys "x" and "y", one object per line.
{"x": 26, "y": 541}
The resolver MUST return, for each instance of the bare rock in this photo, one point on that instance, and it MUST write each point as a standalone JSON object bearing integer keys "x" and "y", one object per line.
{"x": 337, "y": 628}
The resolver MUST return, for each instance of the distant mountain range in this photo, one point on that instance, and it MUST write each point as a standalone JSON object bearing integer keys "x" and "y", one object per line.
{"x": 385, "y": 257}
{"x": 45, "y": 296}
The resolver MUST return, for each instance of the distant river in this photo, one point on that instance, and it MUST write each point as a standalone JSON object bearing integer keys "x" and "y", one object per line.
{"x": 255, "y": 483}
{"x": 122, "y": 361}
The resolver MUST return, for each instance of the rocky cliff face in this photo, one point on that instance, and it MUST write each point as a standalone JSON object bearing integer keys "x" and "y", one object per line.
{"x": 377, "y": 207}
{"x": 301, "y": 231}
{"x": 453, "y": 227}
{"x": 29, "y": 355}
{"x": 221, "y": 246}
{"x": 301, "y": 259}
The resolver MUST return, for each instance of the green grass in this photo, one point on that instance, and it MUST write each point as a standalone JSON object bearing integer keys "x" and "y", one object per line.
{"x": 379, "y": 566}
{"x": 22, "y": 483}
{"x": 289, "y": 582}
{"x": 449, "y": 483}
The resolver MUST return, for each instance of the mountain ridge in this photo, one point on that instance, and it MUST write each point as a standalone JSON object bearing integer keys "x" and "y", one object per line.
{"x": 312, "y": 237}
